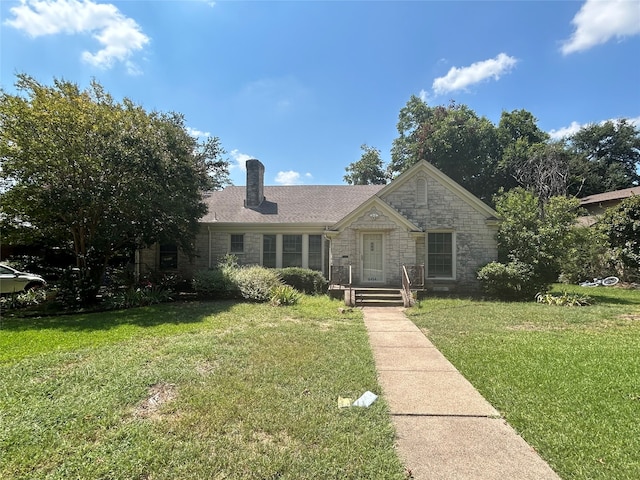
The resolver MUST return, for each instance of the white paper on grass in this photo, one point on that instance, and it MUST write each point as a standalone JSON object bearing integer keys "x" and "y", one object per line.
{"x": 366, "y": 399}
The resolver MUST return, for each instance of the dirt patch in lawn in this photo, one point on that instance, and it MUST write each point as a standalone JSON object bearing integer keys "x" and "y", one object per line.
{"x": 158, "y": 395}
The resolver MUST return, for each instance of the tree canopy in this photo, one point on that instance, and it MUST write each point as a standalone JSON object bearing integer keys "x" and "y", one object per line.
{"x": 610, "y": 154}
{"x": 486, "y": 158}
{"x": 453, "y": 138}
{"x": 83, "y": 170}
{"x": 369, "y": 170}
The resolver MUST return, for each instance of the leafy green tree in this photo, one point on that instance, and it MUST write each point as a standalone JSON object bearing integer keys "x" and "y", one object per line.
{"x": 368, "y": 170}
{"x": 586, "y": 256}
{"x": 520, "y": 125}
{"x": 83, "y": 170}
{"x": 609, "y": 156}
{"x": 532, "y": 239}
{"x": 454, "y": 139}
{"x": 621, "y": 226}
{"x": 518, "y": 133}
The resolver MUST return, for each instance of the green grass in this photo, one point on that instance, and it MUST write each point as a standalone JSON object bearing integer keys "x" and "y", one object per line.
{"x": 196, "y": 390}
{"x": 566, "y": 378}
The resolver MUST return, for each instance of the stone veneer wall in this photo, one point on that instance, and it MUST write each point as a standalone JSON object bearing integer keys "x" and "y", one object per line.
{"x": 476, "y": 243}
{"x": 399, "y": 246}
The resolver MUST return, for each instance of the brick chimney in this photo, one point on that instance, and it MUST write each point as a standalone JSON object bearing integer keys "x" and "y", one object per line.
{"x": 255, "y": 183}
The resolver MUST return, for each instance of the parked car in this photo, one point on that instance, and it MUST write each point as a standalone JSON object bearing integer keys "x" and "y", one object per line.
{"x": 14, "y": 281}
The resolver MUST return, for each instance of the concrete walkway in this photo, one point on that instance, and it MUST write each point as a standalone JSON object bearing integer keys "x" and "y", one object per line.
{"x": 445, "y": 428}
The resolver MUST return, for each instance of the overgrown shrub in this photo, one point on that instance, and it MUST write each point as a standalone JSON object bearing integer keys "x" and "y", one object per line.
{"x": 304, "y": 280}
{"x": 621, "y": 226}
{"x": 586, "y": 256}
{"x": 23, "y": 299}
{"x": 140, "y": 297}
{"x": 216, "y": 283}
{"x": 284, "y": 295}
{"x": 74, "y": 289}
{"x": 511, "y": 281}
{"x": 533, "y": 232}
{"x": 255, "y": 282}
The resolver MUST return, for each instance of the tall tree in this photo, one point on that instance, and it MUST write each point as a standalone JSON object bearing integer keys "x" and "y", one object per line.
{"x": 454, "y": 139}
{"x": 518, "y": 134}
{"x": 83, "y": 170}
{"x": 610, "y": 157}
{"x": 369, "y": 170}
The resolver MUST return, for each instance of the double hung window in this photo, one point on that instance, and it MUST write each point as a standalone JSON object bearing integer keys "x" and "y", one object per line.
{"x": 440, "y": 255}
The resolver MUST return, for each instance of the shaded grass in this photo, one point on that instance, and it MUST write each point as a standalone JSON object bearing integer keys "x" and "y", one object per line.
{"x": 567, "y": 378}
{"x": 214, "y": 391}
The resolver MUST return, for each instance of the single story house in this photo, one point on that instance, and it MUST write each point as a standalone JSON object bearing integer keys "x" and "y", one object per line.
{"x": 596, "y": 205}
{"x": 354, "y": 234}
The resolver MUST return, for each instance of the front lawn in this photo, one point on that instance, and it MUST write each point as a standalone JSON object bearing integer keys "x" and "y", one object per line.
{"x": 566, "y": 378}
{"x": 192, "y": 390}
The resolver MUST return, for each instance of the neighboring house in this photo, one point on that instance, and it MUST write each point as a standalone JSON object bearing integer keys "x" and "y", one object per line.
{"x": 357, "y": 234}
{"x": 597, "y": 204}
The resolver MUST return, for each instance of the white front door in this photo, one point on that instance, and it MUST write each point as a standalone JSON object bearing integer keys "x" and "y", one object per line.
{"x": 372, "y": 258}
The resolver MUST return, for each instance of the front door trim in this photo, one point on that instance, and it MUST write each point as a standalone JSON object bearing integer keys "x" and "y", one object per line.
{"x": 372, "y": 260}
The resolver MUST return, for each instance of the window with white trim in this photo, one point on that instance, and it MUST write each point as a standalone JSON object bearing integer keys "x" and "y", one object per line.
{"x": 440, "y": 255}
{"x": 269, "y": 252}
{"x": 315, "y": 252}
{"x": 291, "y": 251}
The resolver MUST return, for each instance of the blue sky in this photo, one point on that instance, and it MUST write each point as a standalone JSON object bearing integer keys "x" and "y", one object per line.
{"x": 302, "y": 85}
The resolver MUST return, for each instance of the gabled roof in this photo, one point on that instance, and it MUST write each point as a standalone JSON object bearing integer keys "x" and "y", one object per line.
{"x": 610, "y": 196}
{"x": 377, "y": 204}
{"x": 444, "y": 180}
{"x": 301, "y": 204}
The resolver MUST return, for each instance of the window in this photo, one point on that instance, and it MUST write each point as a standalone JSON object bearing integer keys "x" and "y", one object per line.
{"x": 291, "y": 251}
{"x": 315, "y": 252}
{"x": 168, "y": 256}
{"x": 269, "y": 251}
{"x": 440, "y": 254}
{"x": 237, "y": 244}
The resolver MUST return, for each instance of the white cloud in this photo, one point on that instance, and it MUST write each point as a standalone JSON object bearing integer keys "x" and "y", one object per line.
{"x": 197, "y": 133}
{"x": 424, "y": 95}
{"x": 239, "y": 160}
{"x": 290, "y": 178}
{"x": 575, "y": 126}
{"x": 565, "y": 131}
{"x": 119, "y": 36}
{"x": 461, "y": 78}
{"x": 599, "y": 21}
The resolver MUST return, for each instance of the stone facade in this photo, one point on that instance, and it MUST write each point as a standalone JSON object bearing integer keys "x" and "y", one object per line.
{"x": 399, "y": 221}
{"x": 431, "y": 207}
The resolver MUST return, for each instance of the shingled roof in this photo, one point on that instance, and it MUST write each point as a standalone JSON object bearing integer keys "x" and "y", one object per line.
{"x": 302, "y": 204}
{"x": 610, "y": 196}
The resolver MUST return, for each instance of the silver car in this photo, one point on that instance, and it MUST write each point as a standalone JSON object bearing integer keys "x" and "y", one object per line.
{"x": 13, "y": 281}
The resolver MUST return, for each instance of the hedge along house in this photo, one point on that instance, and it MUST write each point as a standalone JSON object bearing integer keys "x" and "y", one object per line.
{"x": 360, "y": 235}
